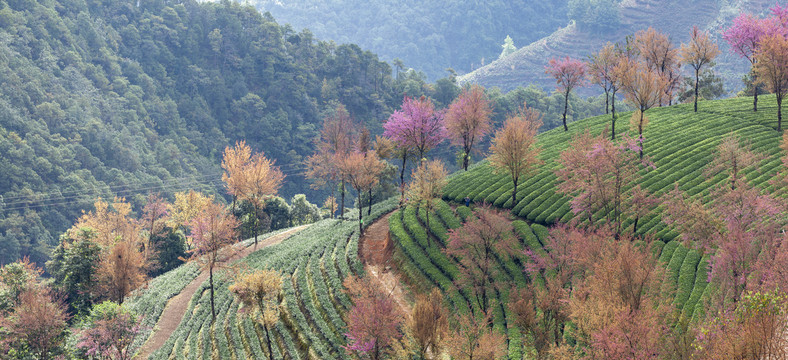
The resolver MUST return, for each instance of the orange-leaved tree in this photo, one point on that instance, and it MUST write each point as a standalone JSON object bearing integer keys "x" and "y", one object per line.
{"x": 362, "y": 172}
{"x": 211, "y": 232}
{"x": 260, "y": 292}
{"x": 643, "y": 89}
{"x": 514, "y": 149}
{"x": 234, "y": 162}
{"x": 186, "y": 206}
{"x": 429, "y": 323}
{"x": 660, "y": 56}
{"x": 474, "y": 338}
{"x": 121, "y": 267}
{"x": 700, "y": 51}
{"x": 772, "y": 68}
{"x": 468, "y": 120}
{"x": 336, "y": 140}
{"x": 261, "y": 182}
{"x": 426, "y": 185}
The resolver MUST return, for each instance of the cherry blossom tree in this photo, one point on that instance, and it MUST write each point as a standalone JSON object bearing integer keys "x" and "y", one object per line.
{"x": 468, "y": 120}
{"x": 375, "y": 319}
{"x": 744, "y": 38}
{"x": 416, "y": 128}
{"x": 154, "y": 218}
{"x": 110, "y": 332}
{"x": 599, "y": 174}
{"x": 568, "y": 73}
{"x": 477, "y": 244}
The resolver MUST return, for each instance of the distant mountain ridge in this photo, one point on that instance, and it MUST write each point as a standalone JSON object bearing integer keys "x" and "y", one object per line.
{"x": 674, "y": 18}
{"x": 428, "y": 36}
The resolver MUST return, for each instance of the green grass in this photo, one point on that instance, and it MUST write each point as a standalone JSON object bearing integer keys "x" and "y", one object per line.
{"x": 313, "y": 263}
{"x": 679, "y": 142}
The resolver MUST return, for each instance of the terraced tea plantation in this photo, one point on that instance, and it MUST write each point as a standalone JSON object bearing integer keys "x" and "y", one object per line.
{"x": 313, "y": 263}
{"x": 424, "y": 265}
{"x": 679, "y": 142}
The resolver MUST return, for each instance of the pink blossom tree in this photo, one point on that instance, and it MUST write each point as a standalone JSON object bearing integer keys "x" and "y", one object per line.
{"x": 468, "y": 120}
{"x": 744, "y": 37}
{"x": 477, "y": 244}
{"x": 375, "y": 319}
{"x": 568, "y": 73}
{"x": 599, "y": 175}
{"x": 417, "y": 127}
{"x": 110, "y": 333}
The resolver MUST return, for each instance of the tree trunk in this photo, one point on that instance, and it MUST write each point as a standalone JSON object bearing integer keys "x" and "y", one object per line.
{"x": 256, "y": 223}
{"x": 369, "y": 209}
{"x": 697, "y": 75}
{"x": 360, "y": 212}
{"x": 465, "y": 161}
{"x": 754, "y": 91}
{"x": 635, "y": 230}
{"x": 429, "y": 242}
{"x": 566, "y": 107}
{"x": 213, "y": 307}
{"x": 342, "y": 203}
{"x": 607, "y": 100}
{"x": 779, "y": 111}
{"x": 333, "y": 202}
{"x": 514, "y": 192}
{"x": 402, "y": 174}
{"x": 640, "y": 133}
{"x": 613, "y": 119}
{"x": 268, "y": 339}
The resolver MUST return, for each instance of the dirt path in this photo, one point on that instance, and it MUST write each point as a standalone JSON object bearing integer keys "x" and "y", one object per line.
{"x": 176, "y": 307}
{"x": 376, "y": 252}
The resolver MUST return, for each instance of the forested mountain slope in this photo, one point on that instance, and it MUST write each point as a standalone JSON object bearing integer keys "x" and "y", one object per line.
{"x": 589, "y": 31}
{"x": 427, "y": 35}
{"x": 104, "y": 98}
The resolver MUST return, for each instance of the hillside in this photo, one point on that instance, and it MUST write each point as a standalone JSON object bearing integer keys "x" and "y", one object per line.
{"x": 578, "y": 40}
{"x": 313, "y": 261}
{"x": 679, "y": 142}
{"x": 428, "y": 36}
{"x": 313, "y": 322}
{"x": 105, "y": 98}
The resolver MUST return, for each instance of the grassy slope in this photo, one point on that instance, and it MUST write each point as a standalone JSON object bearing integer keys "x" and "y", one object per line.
{"x": 679, "y": 142}
{"x": 313, "y": 263}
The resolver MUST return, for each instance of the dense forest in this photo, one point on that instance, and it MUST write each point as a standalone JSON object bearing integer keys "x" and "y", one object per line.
{"x": 432, "y": 35}
{"x": 106, "y": 98}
